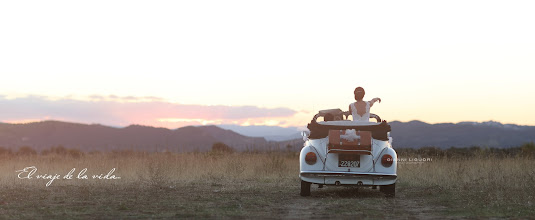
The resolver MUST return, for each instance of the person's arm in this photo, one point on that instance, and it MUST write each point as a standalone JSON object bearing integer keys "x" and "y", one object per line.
{"x": 374, "y": 100}
{"x": 350, "y": 109}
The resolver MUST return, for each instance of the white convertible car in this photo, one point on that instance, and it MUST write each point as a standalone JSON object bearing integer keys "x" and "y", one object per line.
{"x": 342, "y": 152}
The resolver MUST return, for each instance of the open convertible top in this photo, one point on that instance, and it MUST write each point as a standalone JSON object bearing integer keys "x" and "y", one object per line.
{"x": 321, "y": 129}
{"x": 347, "y": 123}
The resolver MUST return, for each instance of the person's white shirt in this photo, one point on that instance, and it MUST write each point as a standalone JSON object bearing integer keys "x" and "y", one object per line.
{"x": 366, "y": 116}
{"x": 361, "y": 118}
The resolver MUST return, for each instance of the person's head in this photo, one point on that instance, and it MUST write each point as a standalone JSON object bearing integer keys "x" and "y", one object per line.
{"x": 359, "y": 93}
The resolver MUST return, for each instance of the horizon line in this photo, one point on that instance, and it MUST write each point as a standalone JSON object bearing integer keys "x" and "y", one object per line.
{"x": 203, "y": 125}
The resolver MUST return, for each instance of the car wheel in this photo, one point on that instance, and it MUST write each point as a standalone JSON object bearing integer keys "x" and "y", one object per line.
{"x": 389, "y": 190}
{"x": 305, "y": 188}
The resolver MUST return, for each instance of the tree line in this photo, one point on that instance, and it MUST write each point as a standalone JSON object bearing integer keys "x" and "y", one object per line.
{"x": 525, "y": 150}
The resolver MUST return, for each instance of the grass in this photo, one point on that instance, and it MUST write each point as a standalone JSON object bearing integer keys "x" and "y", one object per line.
{"x": 238, "y": 185}
{"x": 479, "y": 186}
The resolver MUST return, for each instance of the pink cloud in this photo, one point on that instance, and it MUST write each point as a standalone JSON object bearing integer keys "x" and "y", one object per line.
{"x": 123, "y": 111}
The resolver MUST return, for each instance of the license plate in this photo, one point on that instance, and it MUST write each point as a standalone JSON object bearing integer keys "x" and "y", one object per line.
{"x": 348, "y": 160}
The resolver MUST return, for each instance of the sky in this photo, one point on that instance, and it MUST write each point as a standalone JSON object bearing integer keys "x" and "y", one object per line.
{"x": 178, "y": 63}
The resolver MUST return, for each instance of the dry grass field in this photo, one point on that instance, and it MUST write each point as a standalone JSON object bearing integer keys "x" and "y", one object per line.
{"x": 249, "y": 185}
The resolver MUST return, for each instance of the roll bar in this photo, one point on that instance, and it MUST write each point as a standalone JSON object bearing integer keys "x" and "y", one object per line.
{"x": 339, "y": 112}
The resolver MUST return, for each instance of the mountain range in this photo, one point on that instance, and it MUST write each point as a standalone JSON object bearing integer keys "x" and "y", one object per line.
{"x": 96, "y": 137}
{"x": 492, "y": 134}
{"x": 270, "y": 133}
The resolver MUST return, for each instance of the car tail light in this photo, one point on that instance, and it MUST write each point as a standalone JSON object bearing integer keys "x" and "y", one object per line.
{"x": 311, "y": 158}
{"x": 387, "y": 160}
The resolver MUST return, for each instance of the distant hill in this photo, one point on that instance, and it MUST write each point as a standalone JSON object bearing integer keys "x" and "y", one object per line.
{"x": 42, "y": 135}
{"x": 270, "y": 133}
{"x": 414, "y": 134}
{"x": 465, "y": 134}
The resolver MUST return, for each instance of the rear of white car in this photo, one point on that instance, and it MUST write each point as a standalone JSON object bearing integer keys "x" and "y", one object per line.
{"x": 347, "y": 153}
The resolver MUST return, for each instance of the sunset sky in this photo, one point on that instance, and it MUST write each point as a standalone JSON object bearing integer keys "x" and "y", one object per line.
{"x": 177, "y": 63}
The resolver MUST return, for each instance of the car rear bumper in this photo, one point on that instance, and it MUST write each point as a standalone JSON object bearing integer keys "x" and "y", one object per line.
{"x": 347, "y": 178}
{"x": 346, "y": 174}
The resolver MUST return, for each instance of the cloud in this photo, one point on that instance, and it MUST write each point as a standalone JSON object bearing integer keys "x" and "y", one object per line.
{"x": 122, "y": 111}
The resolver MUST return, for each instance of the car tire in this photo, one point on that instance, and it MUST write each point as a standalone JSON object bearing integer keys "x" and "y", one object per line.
{"x": 305, "y": 188}
{"x": 389, "y": 190}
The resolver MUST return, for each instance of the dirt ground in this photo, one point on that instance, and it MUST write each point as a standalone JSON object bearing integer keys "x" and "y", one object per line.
{"x": 247, "y": 199}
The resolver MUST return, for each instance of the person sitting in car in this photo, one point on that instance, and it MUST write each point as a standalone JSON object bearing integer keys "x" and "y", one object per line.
{"x": 360, "y": 110}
